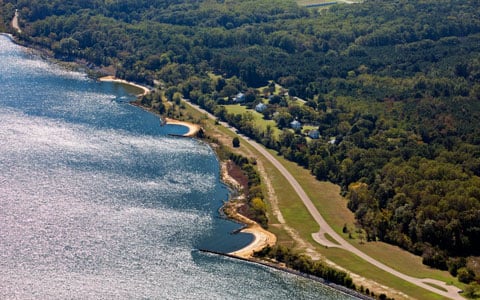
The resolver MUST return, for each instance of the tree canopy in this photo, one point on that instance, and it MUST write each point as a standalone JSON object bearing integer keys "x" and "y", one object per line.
{"x": 393, "y": 88}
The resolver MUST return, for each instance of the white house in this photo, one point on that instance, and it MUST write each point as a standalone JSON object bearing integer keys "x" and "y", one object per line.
{"x": 260, "y": 107}
{"x": 295, "y": 124}
{"x": 240, "y": 98}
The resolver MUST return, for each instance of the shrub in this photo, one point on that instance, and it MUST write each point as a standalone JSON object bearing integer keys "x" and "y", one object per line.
{"x": 465, "y": 275}
{"x": 236, "y": 142}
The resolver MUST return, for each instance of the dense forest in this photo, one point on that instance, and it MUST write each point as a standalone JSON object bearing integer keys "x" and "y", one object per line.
{"x": 392, "y": 86}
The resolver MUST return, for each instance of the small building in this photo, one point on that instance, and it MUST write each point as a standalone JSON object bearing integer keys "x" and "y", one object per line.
{"x": 314, "y": 134}
{"x": 239, "y": 98}
{"x": 260, "y": 107}
{"x": 295, "y": 124}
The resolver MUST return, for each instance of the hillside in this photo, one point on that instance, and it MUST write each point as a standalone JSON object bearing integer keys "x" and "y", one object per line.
{"x": 394, "y": 84}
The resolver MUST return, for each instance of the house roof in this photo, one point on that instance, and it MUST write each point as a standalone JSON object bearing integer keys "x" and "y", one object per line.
{"x": 239, "y": 97}
{"x": 295, "y": 124}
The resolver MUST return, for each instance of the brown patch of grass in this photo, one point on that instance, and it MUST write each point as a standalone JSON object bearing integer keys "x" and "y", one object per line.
{"x": 236, "y": 173}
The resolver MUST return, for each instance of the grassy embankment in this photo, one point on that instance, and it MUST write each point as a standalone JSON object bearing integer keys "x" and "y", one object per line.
{"x": 326, "y": 197}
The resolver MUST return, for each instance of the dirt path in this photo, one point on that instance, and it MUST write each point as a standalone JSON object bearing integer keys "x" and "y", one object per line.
{"x": 15, "y": 24}
{"x": 447, "y": 291}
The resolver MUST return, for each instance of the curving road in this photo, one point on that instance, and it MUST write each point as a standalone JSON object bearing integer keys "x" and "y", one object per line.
{"x": 450, "y": 291}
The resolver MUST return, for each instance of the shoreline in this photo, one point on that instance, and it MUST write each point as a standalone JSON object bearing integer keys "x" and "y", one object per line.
{"x": 261, "y": 239}
{"x": 193, "y": 129}
{"x": 8, "y": 35}
{"x": 261, "y": 236}
{"x": 111, "y": 78}
{"x": 280, "y": 267}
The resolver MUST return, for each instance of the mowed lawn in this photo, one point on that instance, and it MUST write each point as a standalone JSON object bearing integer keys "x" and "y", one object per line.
{"x": 333, "y": 207}
{"x": 260, "y": 122}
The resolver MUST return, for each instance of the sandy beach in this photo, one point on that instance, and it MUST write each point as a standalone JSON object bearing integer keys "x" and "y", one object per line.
{"x": 262, "y": 238}
{"x": 145, "y": 89}
{"x": 192, "y": 128}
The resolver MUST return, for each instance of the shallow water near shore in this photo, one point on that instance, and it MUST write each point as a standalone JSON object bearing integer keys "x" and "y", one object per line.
{"x": 99, "y": 202}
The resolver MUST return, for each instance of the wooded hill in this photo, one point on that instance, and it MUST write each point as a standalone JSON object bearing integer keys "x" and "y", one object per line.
{"x": 393, "y": 87}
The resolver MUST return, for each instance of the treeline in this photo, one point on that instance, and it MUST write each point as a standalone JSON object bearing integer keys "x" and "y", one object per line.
{"x": 259, "y": 41}
{"x": 6, "y": 15}
{"x": 392, "y": 86}
{"x": 305, "y": 265}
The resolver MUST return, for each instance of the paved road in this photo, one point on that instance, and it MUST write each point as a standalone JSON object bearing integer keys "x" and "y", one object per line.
{"x": 451, "y": 291}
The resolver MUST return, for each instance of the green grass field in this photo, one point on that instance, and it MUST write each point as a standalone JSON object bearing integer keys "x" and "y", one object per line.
{"x": 260, "y": 122}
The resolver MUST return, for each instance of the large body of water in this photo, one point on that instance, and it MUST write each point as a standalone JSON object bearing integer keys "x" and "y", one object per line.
{"x": 98, "y": 202}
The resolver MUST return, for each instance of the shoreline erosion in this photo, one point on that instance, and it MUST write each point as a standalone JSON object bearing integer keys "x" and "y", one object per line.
{"x": 261, "y": 236}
